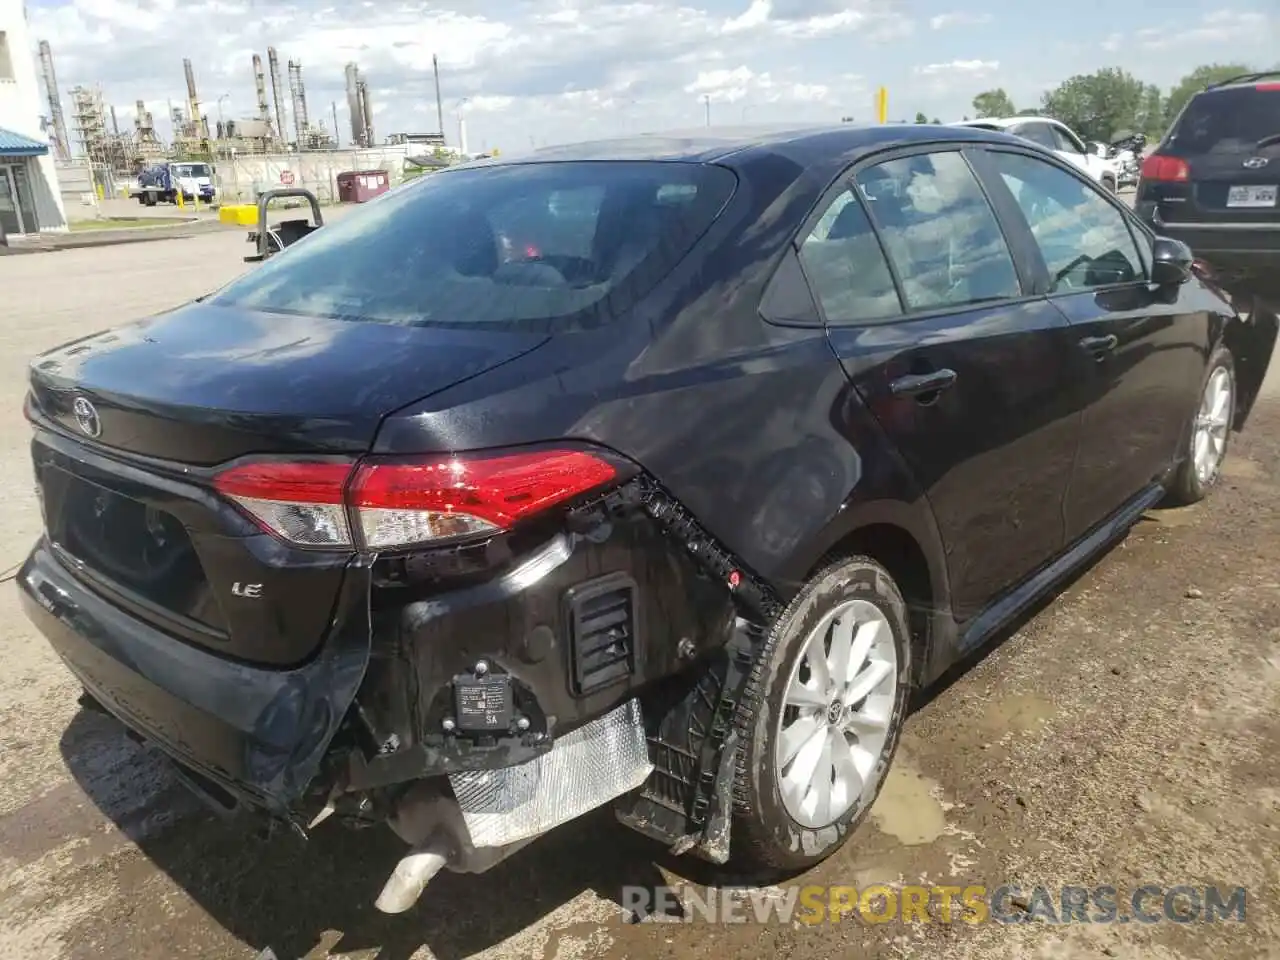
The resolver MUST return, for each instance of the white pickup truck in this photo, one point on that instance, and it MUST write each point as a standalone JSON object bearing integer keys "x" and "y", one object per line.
{"x": 1058, "y": 137}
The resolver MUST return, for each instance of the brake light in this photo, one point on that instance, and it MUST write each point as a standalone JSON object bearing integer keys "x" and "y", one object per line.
{"x": 1157, "y": 167}
{"x": 385, "y": 505}
{"x": 1270, "y": 86}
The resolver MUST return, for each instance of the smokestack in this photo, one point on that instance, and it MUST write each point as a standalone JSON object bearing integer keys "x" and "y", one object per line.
{"x": 353, "y": 105}
{"x": 61, "y": 143}
{"x": 337, "y": 136}
{"x": 366, "y": 112}
{"x": 193, "y": 99}
{"x": 260, "y": 85}
{"x": 299, "y": 96}
{"x": 435, "y": 66}
{"x": 115, "y": 125}
{"x": 277, "y": 91}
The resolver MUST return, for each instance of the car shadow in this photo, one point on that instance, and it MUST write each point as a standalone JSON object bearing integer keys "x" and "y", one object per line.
{"x": 296, "y": 896}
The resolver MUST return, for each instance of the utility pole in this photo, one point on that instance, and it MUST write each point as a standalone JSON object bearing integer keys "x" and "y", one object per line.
{"x": 707, "y": 99}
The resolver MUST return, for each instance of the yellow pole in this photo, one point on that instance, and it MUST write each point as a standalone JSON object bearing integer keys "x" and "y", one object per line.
{"x": 882, "y": 105}
{"x": 177, "y": 197}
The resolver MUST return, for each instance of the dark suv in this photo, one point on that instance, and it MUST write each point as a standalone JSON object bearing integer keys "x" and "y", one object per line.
{"x": 1213, "y": 182}
{"x": 654, "y": 473}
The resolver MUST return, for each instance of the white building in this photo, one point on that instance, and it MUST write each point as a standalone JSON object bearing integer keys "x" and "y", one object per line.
{"x": 29, "y": 197}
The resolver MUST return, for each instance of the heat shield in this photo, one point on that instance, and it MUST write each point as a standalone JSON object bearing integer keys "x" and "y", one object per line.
{"x": 585, "y": 769}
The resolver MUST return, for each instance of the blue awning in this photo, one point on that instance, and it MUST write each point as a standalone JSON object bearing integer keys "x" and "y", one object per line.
{"x": 16, "y": 145}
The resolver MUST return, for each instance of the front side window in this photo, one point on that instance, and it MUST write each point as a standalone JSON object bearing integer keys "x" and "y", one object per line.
{"x": 1084, "y": 240}
{"x": 940, "y": 232}
{"x": 536, "y": 246}
{"x": 845, "y": 266}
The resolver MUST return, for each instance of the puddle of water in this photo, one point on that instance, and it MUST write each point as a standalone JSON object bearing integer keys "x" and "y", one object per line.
{"x": 906, "y": 808}
{"x": 1020, "y": 712}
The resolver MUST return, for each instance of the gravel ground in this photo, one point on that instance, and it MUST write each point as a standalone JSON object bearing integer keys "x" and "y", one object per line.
{"x": 1124, "y": 735}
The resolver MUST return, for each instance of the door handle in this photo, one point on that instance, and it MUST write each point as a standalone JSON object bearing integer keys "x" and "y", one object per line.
{"x": 1100, "y": 346}
{"x": 920, "y": 384}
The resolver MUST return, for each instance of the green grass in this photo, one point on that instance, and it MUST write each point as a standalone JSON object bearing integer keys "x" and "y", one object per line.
{"x": 123, "y": 223}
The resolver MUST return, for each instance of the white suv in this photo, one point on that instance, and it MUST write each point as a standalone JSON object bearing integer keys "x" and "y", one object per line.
{"x": 1058, "y": 137}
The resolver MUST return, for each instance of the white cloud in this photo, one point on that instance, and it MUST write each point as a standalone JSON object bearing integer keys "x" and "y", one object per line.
{"x": 1216, "y": 27}
{"x": 960, "y": 19}
{"x": 964, "y": 68}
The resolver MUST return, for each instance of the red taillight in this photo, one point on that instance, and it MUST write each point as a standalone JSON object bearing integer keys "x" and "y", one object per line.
{"x": 1156, "y": 167}
{"x": 399, "y": 504}
{"x": 1269, "y": 86}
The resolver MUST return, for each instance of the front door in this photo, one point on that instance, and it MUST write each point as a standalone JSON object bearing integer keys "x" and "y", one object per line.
{"x": 1137, "y": 351}
{"x": 26, "y": 197}
{"x": 961, "y": 369}
{"x": 10, "y": 214}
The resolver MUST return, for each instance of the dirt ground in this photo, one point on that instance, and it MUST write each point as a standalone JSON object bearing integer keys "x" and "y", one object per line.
{"x": 1125, "y": 735}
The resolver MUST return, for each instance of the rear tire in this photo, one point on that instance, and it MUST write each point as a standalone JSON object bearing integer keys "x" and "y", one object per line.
{"x": 1209, "y": 433}
{"x": 801, "y": 708}
{"x": 1110, "y": 184}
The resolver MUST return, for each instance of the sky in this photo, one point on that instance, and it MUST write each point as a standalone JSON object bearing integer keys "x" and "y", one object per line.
{"x": 528, "y": 73}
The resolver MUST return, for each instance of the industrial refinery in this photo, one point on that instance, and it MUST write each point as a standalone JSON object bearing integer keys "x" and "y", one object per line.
{"x": 95, "y": 135}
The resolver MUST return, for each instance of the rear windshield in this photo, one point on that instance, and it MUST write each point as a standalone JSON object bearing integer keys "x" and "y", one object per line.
{"x": 1241, "y": 118}
{"x": 531, "y": 246}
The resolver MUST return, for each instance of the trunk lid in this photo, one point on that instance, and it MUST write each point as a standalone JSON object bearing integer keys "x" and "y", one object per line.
{"x": 1225, "y": 138}
{"x": 130, "y": 424}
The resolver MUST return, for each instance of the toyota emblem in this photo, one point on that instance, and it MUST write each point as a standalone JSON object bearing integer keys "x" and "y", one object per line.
{"x": 1256, "y": 163}
{"x": 86, "y": 417}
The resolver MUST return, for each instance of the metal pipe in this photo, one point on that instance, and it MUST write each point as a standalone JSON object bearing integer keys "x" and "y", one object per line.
{"x": 411, "y": 876}
{"x": 62, "y": 143}
{"x": 366, "y": 113}
{"x": 435, "y": 66}
{"x": 353, "y": 105}
{"x": 277, "y": 92}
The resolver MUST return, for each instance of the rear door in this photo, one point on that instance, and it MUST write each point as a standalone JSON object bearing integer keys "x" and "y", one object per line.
{"x": 1137, "y": 349}
{"x": 929, "y": 315}
{"x": 1229, "y": 140}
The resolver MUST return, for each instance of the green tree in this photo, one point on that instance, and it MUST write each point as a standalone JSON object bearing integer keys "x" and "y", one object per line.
{"x": 921, "y": 118}
{"x": 1097, "y": 105}
{"x": 1151, "y": 115}
{"x": 993, "y": 103}
{"x": 1194, "y": 82}
{"x": 935, "y": 120}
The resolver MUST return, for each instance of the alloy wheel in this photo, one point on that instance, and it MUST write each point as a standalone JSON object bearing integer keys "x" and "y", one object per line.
{"x": 1209, "y": 440}
{"x": 836, "y": 714}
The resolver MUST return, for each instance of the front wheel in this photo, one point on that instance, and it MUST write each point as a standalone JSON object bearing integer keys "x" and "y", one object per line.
{"x": 1209, "y": 434}
{"x": 820, "y": 719}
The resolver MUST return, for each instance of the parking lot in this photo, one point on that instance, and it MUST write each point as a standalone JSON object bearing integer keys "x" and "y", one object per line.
{"x": 1125, "y": 735}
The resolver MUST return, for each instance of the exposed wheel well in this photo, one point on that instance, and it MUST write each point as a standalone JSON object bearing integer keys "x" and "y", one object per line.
{"x": 899, "y": 553}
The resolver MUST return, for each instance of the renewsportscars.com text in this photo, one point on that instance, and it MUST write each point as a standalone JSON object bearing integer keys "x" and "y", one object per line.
{"x": 974, "y": 904}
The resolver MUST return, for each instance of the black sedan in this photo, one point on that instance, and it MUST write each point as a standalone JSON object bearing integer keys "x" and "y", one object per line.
{"x": 652, "y": 473}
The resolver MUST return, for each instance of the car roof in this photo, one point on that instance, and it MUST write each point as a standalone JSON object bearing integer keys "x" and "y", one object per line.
{"x": 1005, "y": 122}
{"x": 805, "y": 145}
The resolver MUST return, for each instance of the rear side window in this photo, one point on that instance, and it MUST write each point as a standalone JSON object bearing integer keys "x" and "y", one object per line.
{"x": 1084, "y": 240}
{"x": 1065, "y": 142}
{"x": 846, "y": 267}
{"x": 529, "y": 246}
{"x": 1237, "y": 119}
{"x": 940, "y": 232}
{"x": 1040, "y": 133}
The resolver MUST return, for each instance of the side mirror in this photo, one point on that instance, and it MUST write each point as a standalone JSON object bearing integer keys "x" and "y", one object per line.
{"x": 1171, "y": 262}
